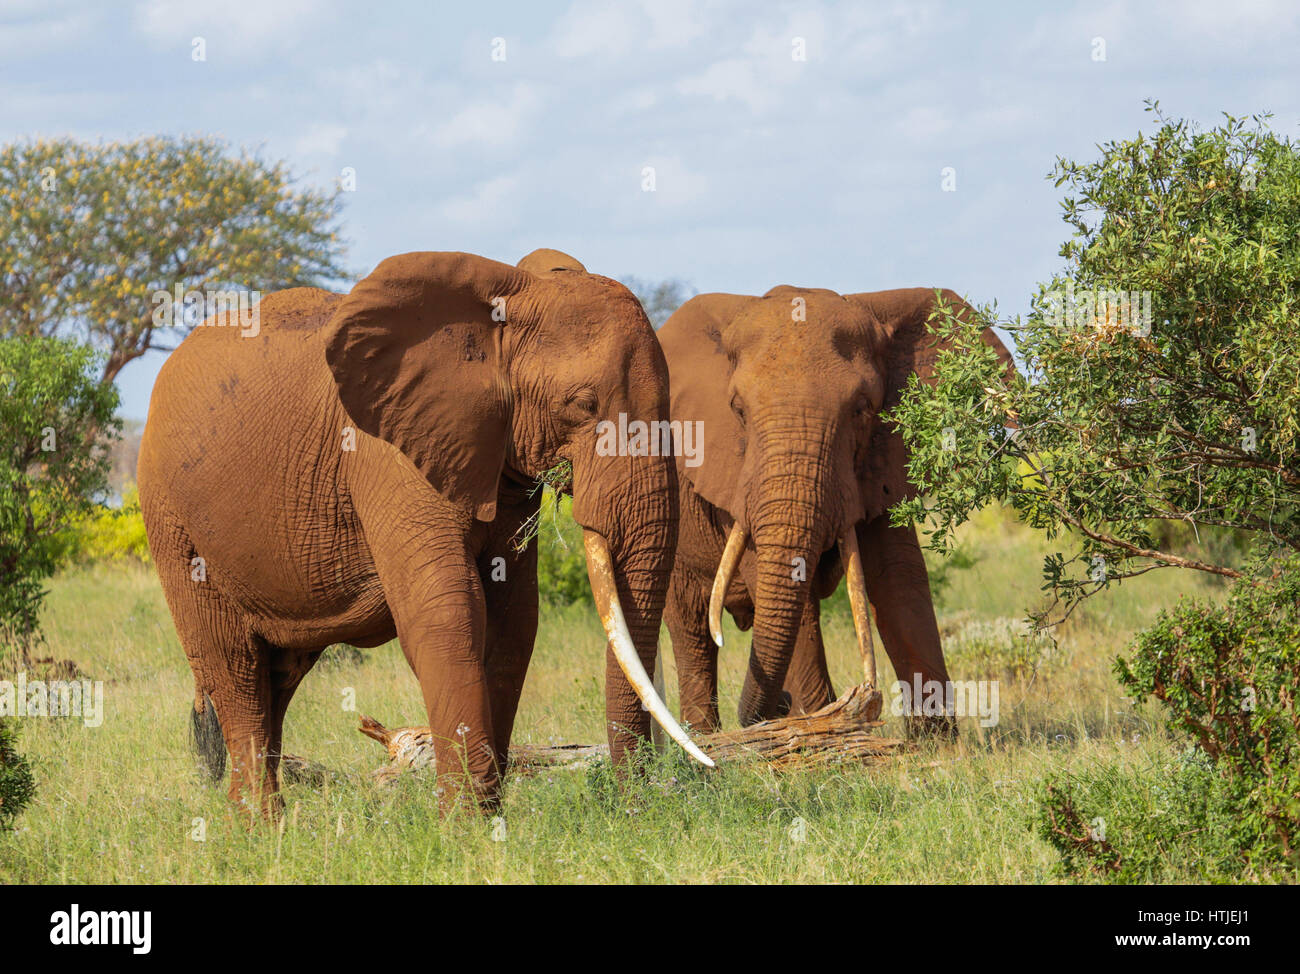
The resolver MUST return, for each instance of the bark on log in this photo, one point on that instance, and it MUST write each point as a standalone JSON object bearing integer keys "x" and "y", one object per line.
{"x": 842, "y": 730}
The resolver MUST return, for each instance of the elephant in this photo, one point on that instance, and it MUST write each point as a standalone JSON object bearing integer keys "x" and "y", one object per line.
{"x": 359, "y": 466}
{"x": 792, "y": 485}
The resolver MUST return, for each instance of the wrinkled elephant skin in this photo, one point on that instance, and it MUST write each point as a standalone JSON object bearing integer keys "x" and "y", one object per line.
{"x": 357, "y": 470}
{"x": 788, "y": 389}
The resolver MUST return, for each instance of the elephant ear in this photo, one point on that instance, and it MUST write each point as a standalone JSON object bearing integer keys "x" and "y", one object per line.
{"x": 907, "y": 347}
{"x": 415, "y": 354}
{"x": 699, "y": 374}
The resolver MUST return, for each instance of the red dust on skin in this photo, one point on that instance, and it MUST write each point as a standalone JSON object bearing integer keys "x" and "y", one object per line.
{"x": 790, "y": 387}
{"x": 359, "y": 469}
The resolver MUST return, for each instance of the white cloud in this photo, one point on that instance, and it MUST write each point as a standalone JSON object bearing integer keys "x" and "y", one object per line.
{"x": 51, "y": 114}
{"x": 1173, "y": 33}
{"x": 599, "y": 28}
{"x": 774, "y": 45}
{"x": 232, "y": 28}
{"x": 924, "y": 123}
{"x": 732, "y": 79}
{"x": 676, "y": 184}
{"x": 377, "y": 88}
{"x": 488, "y": 123}
{"x": 592, "y": 27}
{"x": 33, "y": 28}
{"x": 634, "y": 100}
{"x": 675, "y": 23}
{"x": 490, "y": 203}
{"x": 320, "y": 139}
{"x": 761, "y": 73}
{"x": 1247, "y": 16}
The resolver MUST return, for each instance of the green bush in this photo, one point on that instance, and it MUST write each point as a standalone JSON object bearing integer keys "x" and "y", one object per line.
{"x": 1147, "y": 824}
{"x": 1227, "y": 678}
{"x": 561, "y": 560}
{"x": 105, "y": 534}
{"x": 1182, "y": 413}
{"x": 54, "y": 416}
{"x": 17, "y": 786}
{"x": 1001, "y": 648}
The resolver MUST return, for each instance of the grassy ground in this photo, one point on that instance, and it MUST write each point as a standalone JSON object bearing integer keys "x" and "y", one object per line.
{"x": 122, "y": 803}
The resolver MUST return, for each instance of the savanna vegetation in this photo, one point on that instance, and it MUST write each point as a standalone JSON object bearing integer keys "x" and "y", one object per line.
{"x": 1113, "y": 539}
{"x": 1159, "y": 397}
{"x": 91, "y": 232}
{"x": 123, "y": 802}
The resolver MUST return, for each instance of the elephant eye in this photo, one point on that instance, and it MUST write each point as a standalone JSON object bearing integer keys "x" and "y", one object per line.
{"x": 583, "y": 402}
{"x": 738, "y": 407}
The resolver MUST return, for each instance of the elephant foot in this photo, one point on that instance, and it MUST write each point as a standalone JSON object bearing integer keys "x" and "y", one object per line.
{"x": 784, "y": 704}
{"x": 939, "y": 730}
{"x": 781, "y": 707}
{"x": 257, "y": 806}
{"x": 476, "y": 793}
{"x": 255, "y": 782}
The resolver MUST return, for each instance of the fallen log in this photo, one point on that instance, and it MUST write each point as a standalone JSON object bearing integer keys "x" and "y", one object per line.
{"x": 840, "y": 731}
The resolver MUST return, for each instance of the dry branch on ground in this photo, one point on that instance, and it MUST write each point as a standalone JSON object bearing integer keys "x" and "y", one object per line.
{"x": 840, "y": 731}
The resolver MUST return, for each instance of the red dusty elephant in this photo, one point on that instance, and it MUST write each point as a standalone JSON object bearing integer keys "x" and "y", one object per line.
{"x": 794, "y": 478}
{"x": 357, "y": 469}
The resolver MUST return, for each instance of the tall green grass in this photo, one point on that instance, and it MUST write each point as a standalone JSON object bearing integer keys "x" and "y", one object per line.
{"x": 122, "y": 802}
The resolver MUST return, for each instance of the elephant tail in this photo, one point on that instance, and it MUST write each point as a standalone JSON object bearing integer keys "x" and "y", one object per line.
{"x": 206, "y": 740}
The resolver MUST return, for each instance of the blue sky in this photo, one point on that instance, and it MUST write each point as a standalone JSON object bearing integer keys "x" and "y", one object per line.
{"x": 825, "y": 172}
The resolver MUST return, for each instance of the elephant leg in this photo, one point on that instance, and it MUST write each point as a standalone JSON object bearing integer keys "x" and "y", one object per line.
{"x": 898, "y": 587}
{"x": 243, "y": 698}
{"x": 229, "y": 663}
{"x": 433, "y": 590}
{"x": 288, "y": 667}
{"x": 807, "y": 681}
{"x": 234, "y": 670}
{"x": 694, "y": 652}
{"x": 509, "y": 579}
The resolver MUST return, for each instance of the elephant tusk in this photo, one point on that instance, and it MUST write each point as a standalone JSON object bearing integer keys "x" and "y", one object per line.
{"x": 600, "y": 571}
{"x": 722, "y": 580}
{"x": 856, "y": 582}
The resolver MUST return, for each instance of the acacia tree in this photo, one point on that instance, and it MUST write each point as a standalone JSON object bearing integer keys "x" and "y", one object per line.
{"x": 1161, "y": 377}
{"x": 90, "y": 232}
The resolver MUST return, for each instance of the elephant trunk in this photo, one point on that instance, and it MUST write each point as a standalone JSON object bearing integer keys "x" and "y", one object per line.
{"x": 792, "y": 515}
{"x": 623, "y": 648}
{"x": 630, "y": 534}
